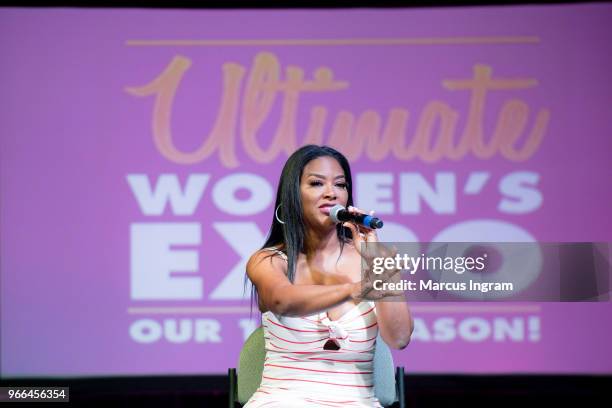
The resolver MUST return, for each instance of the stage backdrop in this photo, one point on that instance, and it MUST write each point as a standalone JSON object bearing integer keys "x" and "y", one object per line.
{"x": 141, "y": 149}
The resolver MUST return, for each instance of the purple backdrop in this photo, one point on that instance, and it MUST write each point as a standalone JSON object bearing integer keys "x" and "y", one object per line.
{"x": 140, "y": 152}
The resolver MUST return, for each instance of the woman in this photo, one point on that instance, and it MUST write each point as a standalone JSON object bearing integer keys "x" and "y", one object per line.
{"x": 320, "y": 325}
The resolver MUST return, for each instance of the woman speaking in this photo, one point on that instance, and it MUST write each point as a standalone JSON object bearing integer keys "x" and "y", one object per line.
{"x": 320, "y": 318}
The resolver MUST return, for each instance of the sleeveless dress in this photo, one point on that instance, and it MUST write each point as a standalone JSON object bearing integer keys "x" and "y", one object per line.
{"x": 313, "y": 361}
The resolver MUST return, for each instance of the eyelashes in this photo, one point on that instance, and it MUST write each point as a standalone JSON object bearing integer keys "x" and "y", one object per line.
{"x": 316, "y": 183}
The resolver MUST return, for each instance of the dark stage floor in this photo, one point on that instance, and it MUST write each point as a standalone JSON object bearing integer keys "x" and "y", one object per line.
{"x": 516, "y": 391}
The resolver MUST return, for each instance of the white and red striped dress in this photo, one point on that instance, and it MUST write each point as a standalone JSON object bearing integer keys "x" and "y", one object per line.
{"x": 299, "y": 372}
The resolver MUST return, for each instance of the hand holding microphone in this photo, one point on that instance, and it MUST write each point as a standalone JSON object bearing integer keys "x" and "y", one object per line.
{"x": 340, "y": 214}
{"x": 363, "y": 228}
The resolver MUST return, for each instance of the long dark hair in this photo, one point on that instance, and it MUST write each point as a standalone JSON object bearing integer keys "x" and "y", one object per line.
{"x": 290, "y": 236}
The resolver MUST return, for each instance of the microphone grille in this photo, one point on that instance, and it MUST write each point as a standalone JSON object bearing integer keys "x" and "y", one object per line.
{"x": 333, "y": 212}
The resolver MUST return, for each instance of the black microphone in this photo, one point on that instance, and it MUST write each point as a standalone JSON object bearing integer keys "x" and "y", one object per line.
{"x": 339, "y": 214}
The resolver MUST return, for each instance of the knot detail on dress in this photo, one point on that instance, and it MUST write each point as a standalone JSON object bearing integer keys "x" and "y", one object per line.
{"x": 337, "y": 335}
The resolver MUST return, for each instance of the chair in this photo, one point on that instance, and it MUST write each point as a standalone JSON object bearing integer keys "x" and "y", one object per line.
{"x": 388, "y": 382}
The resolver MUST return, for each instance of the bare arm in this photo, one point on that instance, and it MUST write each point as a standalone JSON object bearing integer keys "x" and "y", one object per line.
{"x": 392, "y": 312}
{"x": 278, "y": 295}
{"x": 395, "y": 322}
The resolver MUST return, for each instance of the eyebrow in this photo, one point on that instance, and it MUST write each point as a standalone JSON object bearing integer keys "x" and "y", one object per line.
{"x": 323, "y": 177}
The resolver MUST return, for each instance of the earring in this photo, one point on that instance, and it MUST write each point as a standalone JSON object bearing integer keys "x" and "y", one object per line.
{"x": 276, "y": 214}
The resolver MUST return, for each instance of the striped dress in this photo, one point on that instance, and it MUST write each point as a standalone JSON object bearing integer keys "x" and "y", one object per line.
{"x": 314, "y": 361}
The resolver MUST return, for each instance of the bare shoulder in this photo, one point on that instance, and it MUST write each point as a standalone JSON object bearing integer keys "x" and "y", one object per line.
{"x": 267, "y": 259}
{"x": 267, "y": 270}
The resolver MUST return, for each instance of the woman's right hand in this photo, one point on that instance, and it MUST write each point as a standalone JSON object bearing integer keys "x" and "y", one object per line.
{"x": 366, "y": 289}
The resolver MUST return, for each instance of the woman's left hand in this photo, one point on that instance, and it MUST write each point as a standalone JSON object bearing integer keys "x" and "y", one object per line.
{"x": 361, "y": 233}
{"x": 365, "y": 241}
{"x": 362, "y": 236}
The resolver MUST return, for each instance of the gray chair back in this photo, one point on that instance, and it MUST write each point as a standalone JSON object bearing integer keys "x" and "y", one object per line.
{"x": 384, "y": 374}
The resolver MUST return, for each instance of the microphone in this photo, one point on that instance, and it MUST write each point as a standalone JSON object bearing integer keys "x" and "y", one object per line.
{"x": 339, "y": 214}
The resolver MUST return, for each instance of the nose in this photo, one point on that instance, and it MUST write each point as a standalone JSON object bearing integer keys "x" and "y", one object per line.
{"x": 330, "y": 193}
